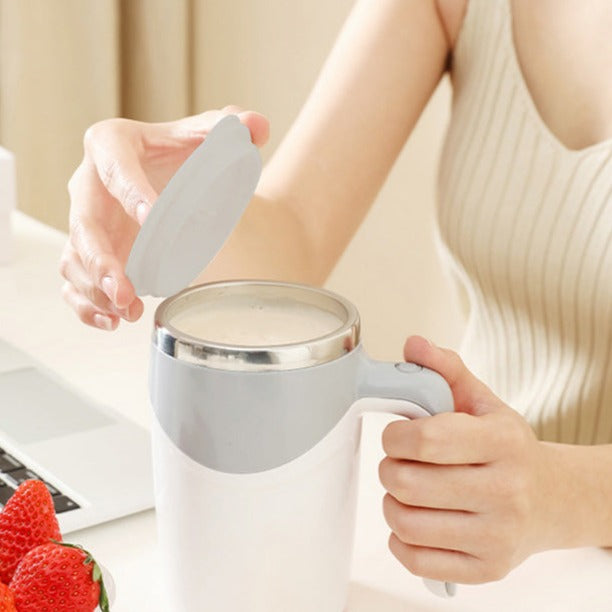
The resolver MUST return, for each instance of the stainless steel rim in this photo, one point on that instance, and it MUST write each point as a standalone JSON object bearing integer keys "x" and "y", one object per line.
{"x": 198, "y": 351}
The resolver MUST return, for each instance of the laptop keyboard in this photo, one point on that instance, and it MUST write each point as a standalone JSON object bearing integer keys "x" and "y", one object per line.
{"x": 13, "y": 473}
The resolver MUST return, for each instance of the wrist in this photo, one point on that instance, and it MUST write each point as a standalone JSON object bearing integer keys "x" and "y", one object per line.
{"x": 576, "y": 496}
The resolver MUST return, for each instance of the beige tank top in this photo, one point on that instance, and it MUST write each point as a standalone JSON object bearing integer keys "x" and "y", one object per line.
{"x": 527, "y": 224}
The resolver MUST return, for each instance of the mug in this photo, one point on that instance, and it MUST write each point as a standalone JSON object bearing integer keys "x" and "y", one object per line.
{"x": 256, "y": 439}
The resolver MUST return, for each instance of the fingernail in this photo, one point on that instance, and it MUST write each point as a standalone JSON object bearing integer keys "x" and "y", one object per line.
{"x": 430, "y": 342}
{"x": 103, "y": 322}
{"x": 109, "y": 286}
{"x": 127, "y": 315}
{"x": 142, "y": 211}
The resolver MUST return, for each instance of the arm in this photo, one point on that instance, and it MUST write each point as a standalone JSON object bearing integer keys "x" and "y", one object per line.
{"x": 473, "y": 493}
{"x": 312, "y": 195}
{"x": 329, "y": 168}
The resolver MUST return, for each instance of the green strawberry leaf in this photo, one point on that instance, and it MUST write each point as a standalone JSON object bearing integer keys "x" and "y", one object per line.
{"x": 103, "y": 601}
{"x": 97, "y": 574}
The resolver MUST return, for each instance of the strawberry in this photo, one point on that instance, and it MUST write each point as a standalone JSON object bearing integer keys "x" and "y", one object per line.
{"x": 7, "y": 602}
{"x": 28, "y": 520}
{"x": 59, "y": 577}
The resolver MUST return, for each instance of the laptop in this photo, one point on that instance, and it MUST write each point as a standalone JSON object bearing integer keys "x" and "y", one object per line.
{"x": 95, "y": 462}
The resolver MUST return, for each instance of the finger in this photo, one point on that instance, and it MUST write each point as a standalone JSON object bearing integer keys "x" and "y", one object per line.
{"x": 87, "y": 312}
{"x": 446, "y": 438}
{"x": 100, "y": 264}
{"x": 453, "y": 487}
{"x": 468, "y": 391}
{"x": 71, "y": 268}
{"x": 197, "y": 127}
{"x": 134, "y": 310}
{"x": 437, "y": 564}
{"x": 432, "y": 528}
{"x": 110, "y": 147}
{"x": 258, "y": 125}
{"x": 90, "y": 239}
{"x": 73, "y": 271}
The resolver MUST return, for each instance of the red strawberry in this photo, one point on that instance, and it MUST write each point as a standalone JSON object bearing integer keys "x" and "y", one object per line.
{"x": 28, "y": 520}
{"x": 59, "y": 577}
{"x": 7, "y": 603}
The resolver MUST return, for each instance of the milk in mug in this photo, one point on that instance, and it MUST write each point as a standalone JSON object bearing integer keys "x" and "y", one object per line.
{"x": 244, "y": 320}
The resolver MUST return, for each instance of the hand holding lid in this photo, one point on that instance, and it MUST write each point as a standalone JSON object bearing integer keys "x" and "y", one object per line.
{"x": 125, "y": 165}
{"x": 196, "y": 212}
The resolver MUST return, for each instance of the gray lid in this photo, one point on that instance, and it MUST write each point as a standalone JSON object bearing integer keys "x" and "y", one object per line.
{"x": 196, "y": 212}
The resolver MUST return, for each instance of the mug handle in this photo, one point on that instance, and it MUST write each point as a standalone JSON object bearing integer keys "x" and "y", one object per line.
{"x": 428, "y": 393}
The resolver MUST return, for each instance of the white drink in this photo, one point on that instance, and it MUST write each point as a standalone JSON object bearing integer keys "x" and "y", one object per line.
{"x": 255, "y": 321}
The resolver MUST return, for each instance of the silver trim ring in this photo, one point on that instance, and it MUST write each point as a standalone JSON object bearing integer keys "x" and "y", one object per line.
{"x": 198, "y": 351}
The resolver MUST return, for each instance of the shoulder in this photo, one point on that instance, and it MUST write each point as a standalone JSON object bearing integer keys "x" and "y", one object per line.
{"x": 451, "y": 14}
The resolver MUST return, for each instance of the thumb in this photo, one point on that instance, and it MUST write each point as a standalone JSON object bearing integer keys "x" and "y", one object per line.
{"x": 470, "y": 394}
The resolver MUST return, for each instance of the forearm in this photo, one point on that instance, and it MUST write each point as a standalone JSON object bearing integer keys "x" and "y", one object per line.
{"x": 269, "y": 242}
{"x": 579, "y": 495}
{"x": 323, "y": 178}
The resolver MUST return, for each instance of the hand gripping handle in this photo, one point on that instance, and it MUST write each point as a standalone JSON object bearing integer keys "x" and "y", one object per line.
{"x": 428, "y": 394}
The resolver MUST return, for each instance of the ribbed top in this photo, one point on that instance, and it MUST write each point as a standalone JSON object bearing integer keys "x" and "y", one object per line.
{"x": 527, "y": 223}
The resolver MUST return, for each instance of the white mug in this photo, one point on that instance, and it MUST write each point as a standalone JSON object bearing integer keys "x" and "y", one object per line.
{"x": 256, "y": 447}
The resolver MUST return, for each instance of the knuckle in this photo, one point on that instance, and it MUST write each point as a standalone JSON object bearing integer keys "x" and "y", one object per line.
{"x": 94, "y": 132}
{"x": 95, "y": 263}
{"x": 402, "y": 525}
{"x": 498, "y": 540}
{"x": 75, "y": 225}
{"x": 512, "y": 436}
{"x": 503, "y": 437}
{"x": 75, "y": 182}
{"x": 64, "y": 266}
{"x": 82, "y": 309}
{"x": 395, "y": 477}
{"x": 89, "y": 291}
{"x": 388, "y": 438}
{"x": 390, "y": 472}
{"x": 77, "y": 233}
{"x": 107, "y": 171}
{"x": 393, "y": 437}
{"x": 453, "y": 355}
{"x": 413, "y": 561}
{"x": 101, "y": 129}
{"x": 404, "y": 530}
{"x": 384, "y": 472}
{"x": 130, "y": 197}
{"x": 427, "y": 439}
{"x": 493, "y": 570}
{"x": 67, "y": 291}
{"x": 455, "y": 358}
{"x": 91, "y": 134}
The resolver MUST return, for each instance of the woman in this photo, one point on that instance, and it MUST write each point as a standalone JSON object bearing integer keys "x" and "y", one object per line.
{"x": 525, "y": 211}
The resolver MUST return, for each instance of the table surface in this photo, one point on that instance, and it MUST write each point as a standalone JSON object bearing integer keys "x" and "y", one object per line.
{"x": 34, "y": 317}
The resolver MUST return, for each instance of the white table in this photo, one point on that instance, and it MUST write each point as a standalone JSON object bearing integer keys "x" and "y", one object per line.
{"x": 113, "y": 368}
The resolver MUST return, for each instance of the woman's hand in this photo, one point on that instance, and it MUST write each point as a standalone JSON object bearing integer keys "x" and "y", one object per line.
{"x": 469, "y": 492}
{"x": 125, "y": 166}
